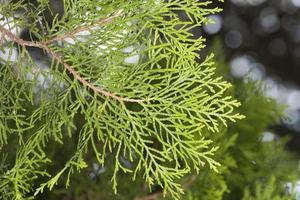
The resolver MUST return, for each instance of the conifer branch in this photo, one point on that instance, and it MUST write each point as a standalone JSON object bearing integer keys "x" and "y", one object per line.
{"x": 160, "y": 138}
{"x": 69, "y": 68}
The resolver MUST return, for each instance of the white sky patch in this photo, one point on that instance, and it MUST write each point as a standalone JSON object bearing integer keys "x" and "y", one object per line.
{"x": 83, "y": 36}
{"x": 9, "y": 24}
{"x": 296, "y": 3}
{"x": 294, "y": 99}
{"x": 294, "y": 188}
{"x": 257, "y": 71}
{"x": 128, "y": 49}
{"x": 292, "y": 116}
{"x": 83, "y": 33}
{"x": 132, "y": 59}
{"x": 240, "y": 66}
{"x": 215, "y": 24}
{"x": 268, "y": 136}
{"x": 9, "y": 54}
{"x": 69, "y": 40}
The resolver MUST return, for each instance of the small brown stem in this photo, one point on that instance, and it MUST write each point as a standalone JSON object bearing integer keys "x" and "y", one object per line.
{"x": 69, "y": 68}
{"x": 83, "y": 28}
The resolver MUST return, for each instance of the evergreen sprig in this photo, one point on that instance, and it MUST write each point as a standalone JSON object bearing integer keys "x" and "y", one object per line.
{"x": 122, "y": 80}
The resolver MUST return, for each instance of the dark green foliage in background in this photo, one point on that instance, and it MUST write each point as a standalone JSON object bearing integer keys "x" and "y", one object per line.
{"x": 251, "y": 168}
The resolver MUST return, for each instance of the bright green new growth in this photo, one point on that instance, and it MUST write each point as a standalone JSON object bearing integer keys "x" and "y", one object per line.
{"x": 150, "y": 112}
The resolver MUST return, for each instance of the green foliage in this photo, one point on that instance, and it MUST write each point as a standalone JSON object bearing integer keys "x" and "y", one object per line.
{"x": 266, "y": 191}
{"x": 151, "y": 118}
{"x": 250, "y": 167}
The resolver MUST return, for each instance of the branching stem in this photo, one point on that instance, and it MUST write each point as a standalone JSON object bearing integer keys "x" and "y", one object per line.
{"x": 57, "y": 57}
{"x": 71, "y": 34}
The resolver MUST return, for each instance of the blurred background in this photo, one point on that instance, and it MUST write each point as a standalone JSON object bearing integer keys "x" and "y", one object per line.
{"x": 261, "y": 39}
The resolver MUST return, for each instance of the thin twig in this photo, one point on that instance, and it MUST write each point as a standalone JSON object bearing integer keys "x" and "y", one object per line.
{"x": 18, "y": 40}
{"x": 83, "y": 28}
{"x": 69, "y": 68}
{"x": 86, "y": 83}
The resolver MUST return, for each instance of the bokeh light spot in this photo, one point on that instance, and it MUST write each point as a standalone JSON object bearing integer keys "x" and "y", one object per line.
{"x": 215, "y": 25}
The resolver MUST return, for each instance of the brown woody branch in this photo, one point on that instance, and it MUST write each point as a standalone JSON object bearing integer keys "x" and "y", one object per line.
{"x": 69, "y": 68}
